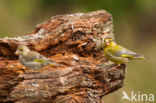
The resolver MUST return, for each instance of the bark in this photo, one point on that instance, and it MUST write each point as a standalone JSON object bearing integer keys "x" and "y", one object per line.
{"x": 73, "y": 40}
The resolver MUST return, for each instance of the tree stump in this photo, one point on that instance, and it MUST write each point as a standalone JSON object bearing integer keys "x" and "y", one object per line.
{"x": 75, "y": 42}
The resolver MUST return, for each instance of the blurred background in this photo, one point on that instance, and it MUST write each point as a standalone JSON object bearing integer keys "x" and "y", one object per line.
{"x": 134, "y": 26}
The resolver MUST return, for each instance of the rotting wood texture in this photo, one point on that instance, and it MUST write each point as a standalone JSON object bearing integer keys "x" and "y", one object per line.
{"x": 73, "y": 40}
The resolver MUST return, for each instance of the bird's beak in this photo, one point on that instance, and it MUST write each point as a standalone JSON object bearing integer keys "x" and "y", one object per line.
{"x": 106, "y": 43}
{"x": 17, "y": 52}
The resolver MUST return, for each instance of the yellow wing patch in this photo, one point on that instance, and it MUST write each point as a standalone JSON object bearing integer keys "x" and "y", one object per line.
{"x": 38, "y": 60}
{"x": 126, "y": 56}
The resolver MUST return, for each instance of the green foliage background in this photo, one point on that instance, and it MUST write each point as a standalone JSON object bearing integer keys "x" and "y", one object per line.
{"x": 134, "y": 26}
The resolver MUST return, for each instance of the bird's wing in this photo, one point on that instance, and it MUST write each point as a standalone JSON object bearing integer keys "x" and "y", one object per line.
{"x": 44, "y": 60}
{"x": 122, "y": 52}
{"x": 116, "y": 58}
{"x": 31, "y": 56}
{"x": 40, "y": 58}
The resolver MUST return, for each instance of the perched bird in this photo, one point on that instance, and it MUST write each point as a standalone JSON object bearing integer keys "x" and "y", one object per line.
{"x": 32, "y": 59}
{"x": 119, "y": 54}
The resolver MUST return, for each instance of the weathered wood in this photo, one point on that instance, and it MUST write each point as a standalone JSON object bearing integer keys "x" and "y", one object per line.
{"x": 73, "y": 40}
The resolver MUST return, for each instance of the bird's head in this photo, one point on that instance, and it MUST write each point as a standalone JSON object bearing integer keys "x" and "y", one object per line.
{"x": 108, "y": 42}
{"x": 22, "y": 50}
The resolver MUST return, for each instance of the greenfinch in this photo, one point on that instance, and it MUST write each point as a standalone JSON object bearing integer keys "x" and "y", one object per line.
{"x": 117, "y": 53}
{"x": 31, "y": 59}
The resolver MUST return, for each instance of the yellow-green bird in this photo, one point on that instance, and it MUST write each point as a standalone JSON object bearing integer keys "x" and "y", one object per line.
{"x": 32, "y": 59}
{"x": 119, "y": 54}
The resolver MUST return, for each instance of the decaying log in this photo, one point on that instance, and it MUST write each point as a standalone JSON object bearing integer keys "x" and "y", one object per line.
{"x": 73, "y": 40}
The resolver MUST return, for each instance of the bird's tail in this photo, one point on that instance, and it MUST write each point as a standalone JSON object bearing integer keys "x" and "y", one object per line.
{"x": 137, "y": 56}
{"x": 134, "y": 56}
{"x": 55, "y": 64}
{"x": 51, "y": 62}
